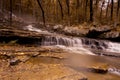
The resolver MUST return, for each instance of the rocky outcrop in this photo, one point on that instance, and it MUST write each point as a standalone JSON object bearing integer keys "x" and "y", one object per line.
{"x": 20, "y": 36}
{"x": 95, "y": 32}
{"x": 112, "y": 35}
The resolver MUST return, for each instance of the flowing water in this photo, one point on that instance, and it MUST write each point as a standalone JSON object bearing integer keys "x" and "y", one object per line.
{"x": 84, "y": 46}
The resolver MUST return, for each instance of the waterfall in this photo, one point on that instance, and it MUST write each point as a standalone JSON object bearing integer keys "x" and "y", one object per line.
{"x": 94, "y": 44}
{"x": 74, "y": 44}
{"x": 51, "y": 40}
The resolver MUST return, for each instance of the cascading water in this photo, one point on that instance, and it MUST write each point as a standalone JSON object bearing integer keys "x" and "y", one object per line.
{"x": 73, "y": 45}
{"x": 77, "y": 45}
{"x": 113, "y": 47}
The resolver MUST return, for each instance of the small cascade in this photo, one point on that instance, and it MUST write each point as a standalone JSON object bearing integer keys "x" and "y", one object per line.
{"x": 94, "y": 44}
{"x": 72, "y": 45}
{"x": 70, "y": 42}
{"x": 113, "y": 47}
{"x": 75, "y": 44}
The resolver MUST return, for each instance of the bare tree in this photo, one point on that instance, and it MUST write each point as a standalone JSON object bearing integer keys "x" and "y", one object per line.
{"x": 112, "y": 5}
{"x": 68, "y": 6}
{"x": 96, "y": 3}
{"x": 85, "y": 15}
{"x": 43, "y": 13}
{"x": 61, "y": 8}
{"x": 77, "y": 10}
{"x": 91, "y": 10}
{"x": 78, "y": 4}
{"x": 101, "y": 11}
{"x": 1, "y": 4}
{"x": 20, "y": 7}
{"x": 96, "y": 8}
{"x": 118, "y": 8}
{"x": 107, "y": 8}
{"x": 11, "y": 11}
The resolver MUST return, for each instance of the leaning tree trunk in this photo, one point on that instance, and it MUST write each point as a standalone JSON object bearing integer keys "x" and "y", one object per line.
{"x": 43, "y": 13}
{"x": 91, "y": 10}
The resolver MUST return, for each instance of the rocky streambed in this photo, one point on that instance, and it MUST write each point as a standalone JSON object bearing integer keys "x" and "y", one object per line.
{"x": 35, "y": 54}
{"x": 52, "y": 63}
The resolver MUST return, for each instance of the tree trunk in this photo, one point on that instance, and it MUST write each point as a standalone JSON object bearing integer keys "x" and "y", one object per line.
{"x": 85, "y": 15}
{"x": 43, "y": 13}
{"x": 20, "y": 7}
{"x": 96, "y": 8}
{"x": 78, "y": 4}
{"x": 112, "y": 4}
{"x": 68, "y": 6}
{"x": 68, "y": 11}
{"x": 91, "y": 10}
{"x": 118, "y": 8}
{"x": 11, "y": 11}
{"x": 61, "y": 8}
{"x": 77, "y": 10}
{"x": 1, "y": 5}
{"x": 101, "y": 9}
{"x": 96, "y": 3}
{"x": 107, "y": 8}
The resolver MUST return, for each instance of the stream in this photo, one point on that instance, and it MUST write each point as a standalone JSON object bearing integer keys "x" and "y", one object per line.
{"x": 88, "y": 51}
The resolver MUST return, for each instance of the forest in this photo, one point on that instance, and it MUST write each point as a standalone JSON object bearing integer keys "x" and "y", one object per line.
{"x": 67, "y": 12}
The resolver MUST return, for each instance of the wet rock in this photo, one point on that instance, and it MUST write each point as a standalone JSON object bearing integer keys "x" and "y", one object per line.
{"x": 111, "y": 34}
{"x": 95, "y": 33}
{"x": 99, "y": 68}
{"x": 14, "y": 62}
{"x": 83, "y": 79}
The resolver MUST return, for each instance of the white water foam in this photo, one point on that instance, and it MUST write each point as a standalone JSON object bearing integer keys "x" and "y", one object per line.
{"x": 113, "y": 47}
{"x": 114, "y": 71}
{"x": 31, "y": 28}
{"x": 71, "y": 45}
{"x": 79, "y": 50}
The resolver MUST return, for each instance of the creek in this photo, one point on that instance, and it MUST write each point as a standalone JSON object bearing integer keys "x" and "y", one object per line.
{"x": 94, "y": 50}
